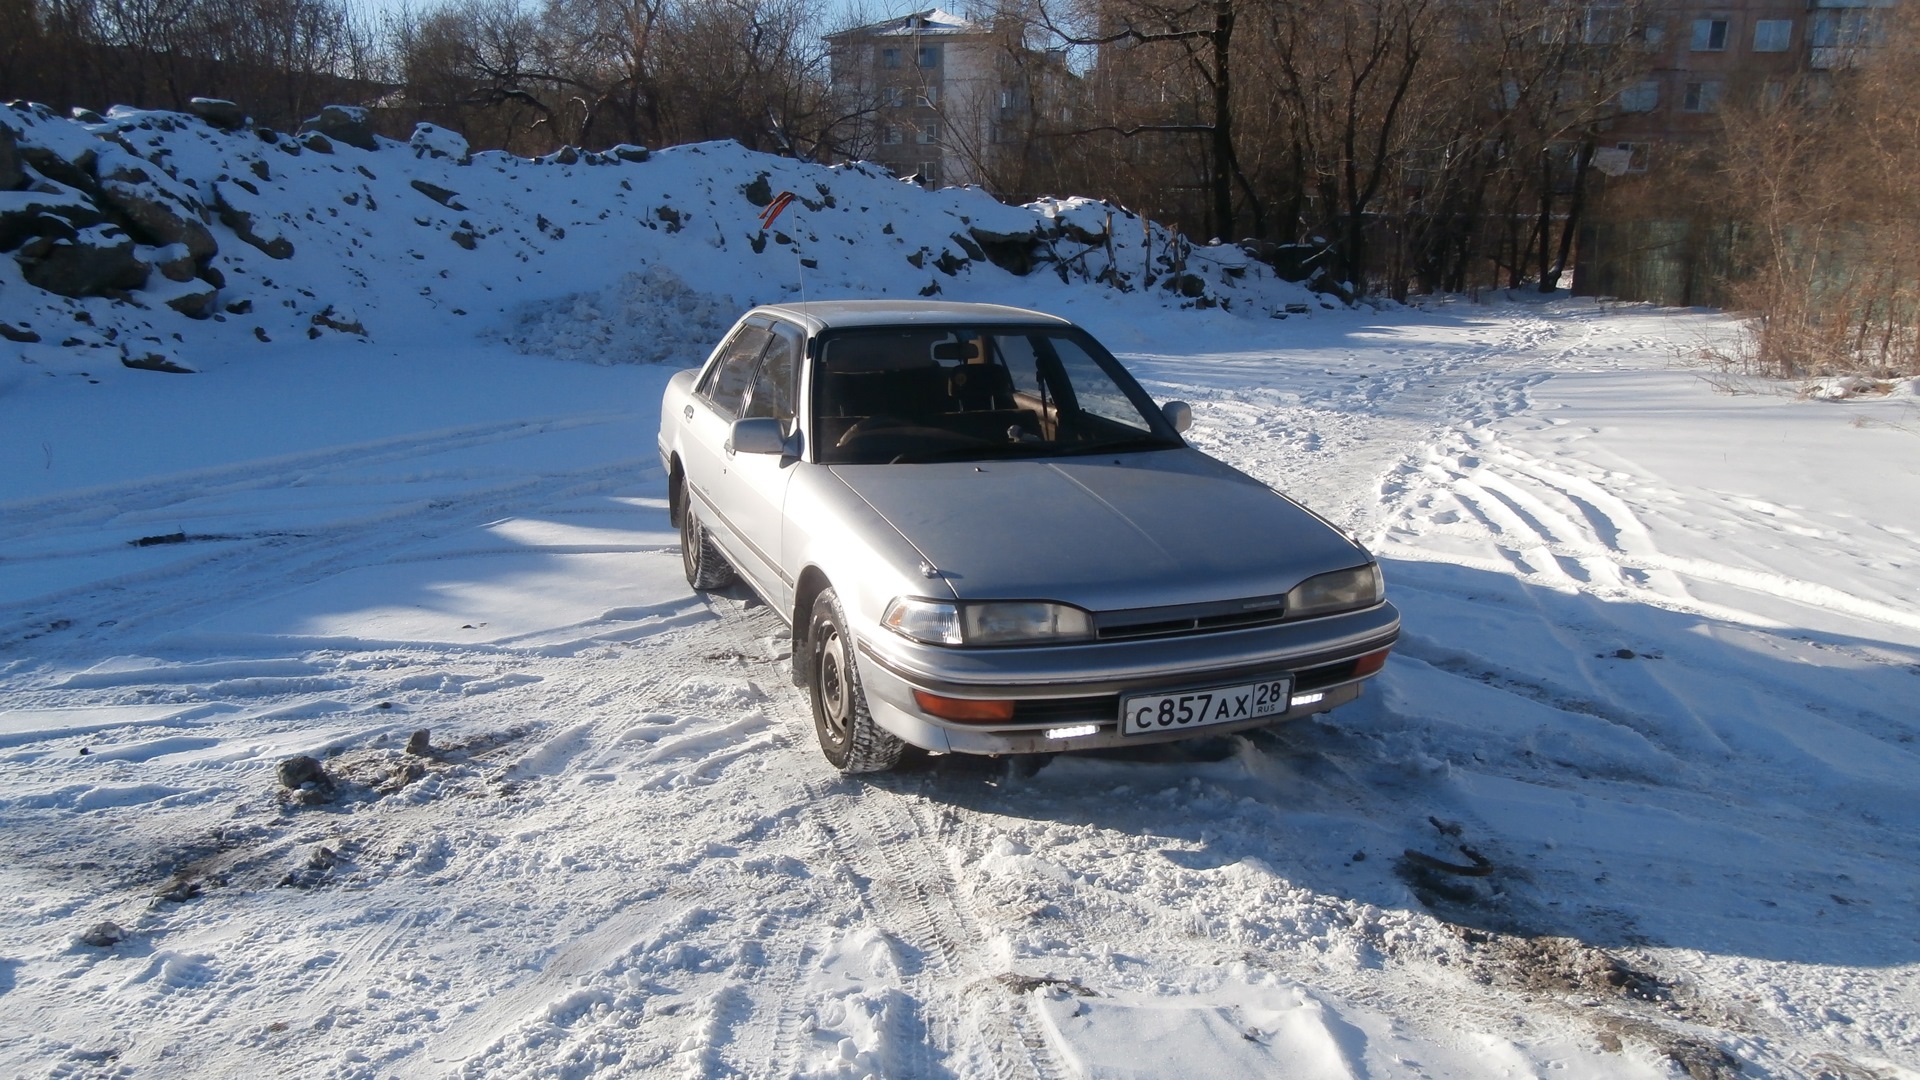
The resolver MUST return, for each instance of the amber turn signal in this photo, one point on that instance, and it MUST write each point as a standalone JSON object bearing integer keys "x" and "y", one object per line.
{"x": 1370, "y": 663}
{"x": 965, "y": 710}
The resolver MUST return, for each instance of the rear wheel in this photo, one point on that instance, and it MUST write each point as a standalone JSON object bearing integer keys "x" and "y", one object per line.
{"x": 849, "y": 738}
{"x": 706, "y": 568}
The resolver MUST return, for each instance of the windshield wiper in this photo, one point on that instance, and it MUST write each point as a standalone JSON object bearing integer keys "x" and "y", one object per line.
{"x": 1145, "y": 442}
{"x": 978, "y": 450}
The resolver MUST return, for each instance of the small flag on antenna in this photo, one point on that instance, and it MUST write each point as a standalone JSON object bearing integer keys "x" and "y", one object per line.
{"x": 780, "y": 203}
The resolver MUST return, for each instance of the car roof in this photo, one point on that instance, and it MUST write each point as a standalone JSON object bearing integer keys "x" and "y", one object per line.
{"x": 821, "y": 315}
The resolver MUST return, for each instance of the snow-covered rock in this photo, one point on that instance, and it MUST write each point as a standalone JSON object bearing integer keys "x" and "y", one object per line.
{"x": 342, "y": 123}
{"x": 219, "y": 112}
{"x": 91, "y": 262}
{"x": 438, "y": 142}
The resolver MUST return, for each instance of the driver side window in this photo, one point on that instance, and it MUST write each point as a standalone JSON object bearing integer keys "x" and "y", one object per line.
{"x": 773, "y": 391}
{"x": 726, "y": 383}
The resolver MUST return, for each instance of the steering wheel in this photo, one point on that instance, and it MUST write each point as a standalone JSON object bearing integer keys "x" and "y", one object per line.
{"x": 870, "y": 425}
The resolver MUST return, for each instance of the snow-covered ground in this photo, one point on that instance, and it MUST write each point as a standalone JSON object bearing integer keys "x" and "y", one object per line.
{"x": 1657, "y": 690}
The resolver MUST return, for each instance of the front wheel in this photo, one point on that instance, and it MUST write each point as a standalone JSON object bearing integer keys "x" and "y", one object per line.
{"x": 849, "y": 738}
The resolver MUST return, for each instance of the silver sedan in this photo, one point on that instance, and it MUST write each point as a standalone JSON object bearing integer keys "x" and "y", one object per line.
{"x": 987, "y": 539}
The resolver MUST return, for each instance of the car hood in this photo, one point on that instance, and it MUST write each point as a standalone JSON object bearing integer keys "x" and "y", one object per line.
{"x": 1106, "y": 533}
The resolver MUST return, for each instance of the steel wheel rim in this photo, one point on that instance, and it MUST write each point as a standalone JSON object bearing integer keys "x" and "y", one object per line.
{"x": 833, "y": 687}
{"x": 689, "y": 537}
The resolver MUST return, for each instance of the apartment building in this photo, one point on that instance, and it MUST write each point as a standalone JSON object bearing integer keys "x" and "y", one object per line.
{"x": 917, "y": 82}
{"x": 1705, "y": 56}
{"x": 938, "y": 97}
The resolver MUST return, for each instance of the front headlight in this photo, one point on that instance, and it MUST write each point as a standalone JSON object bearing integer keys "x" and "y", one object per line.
{"x": 1012, "y": 623}
{"x": 1018, "y": 622}
{"x": 1342, "y": 590}
{"x": 931, "y": 621}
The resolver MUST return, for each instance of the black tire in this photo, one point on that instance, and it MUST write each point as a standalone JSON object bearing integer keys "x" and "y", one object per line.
{"x": 706, "y": 568}
{"x": 849, "y": 738}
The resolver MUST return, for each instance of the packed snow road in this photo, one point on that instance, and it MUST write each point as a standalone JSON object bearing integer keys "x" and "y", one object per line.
{"x": 1635, "y": 797}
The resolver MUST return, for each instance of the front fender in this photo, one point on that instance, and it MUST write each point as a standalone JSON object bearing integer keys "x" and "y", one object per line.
{"x": 832, "y": 534}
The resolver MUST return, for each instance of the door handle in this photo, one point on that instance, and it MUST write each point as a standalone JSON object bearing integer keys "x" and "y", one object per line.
{"x": 687, "y": 412}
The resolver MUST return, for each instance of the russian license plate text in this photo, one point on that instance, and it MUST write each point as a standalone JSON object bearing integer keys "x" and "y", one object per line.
{"x": 1145, "y": 714}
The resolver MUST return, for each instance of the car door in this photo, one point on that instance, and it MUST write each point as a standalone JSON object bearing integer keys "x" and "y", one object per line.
{"x": 717, "y": 401}
{"x": 756, "y": 484}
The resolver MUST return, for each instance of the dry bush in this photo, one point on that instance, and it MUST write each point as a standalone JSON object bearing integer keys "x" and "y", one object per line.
{"x": 1825, "y": 184}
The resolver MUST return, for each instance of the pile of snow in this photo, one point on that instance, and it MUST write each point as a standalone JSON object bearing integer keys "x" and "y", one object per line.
{"x": 1843, "y": 387}
{"x": 644, "y": 318}
{"x": 127, "y": 230}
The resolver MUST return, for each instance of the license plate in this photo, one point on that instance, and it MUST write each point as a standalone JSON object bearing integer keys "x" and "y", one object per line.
{"x": 1146, "y": 714}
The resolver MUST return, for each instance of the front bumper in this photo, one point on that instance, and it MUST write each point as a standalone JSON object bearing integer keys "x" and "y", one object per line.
{"x": 1074, "y": 686}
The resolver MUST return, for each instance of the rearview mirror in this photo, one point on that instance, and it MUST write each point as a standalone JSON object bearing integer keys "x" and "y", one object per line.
{"x": 757, "y": 435}
{"x": 963, "y": 351}
{"x": 1179, "y": 414}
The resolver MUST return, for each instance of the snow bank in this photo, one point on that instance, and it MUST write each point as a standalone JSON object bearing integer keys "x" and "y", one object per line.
{"x": 127, "y": 231}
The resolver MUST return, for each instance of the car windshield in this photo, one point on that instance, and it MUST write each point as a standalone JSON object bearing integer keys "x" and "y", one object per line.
{"x": 907, "y": 394}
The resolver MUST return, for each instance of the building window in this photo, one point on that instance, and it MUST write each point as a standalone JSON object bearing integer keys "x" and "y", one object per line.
{"x": 1710, "y": 34}
{"x": 929, "y": 97}
{"x": 893, "y": 97}
{"x": 1836, "y": 37}
{"x": 929, "y": 56}
{"x": 1619, "y": 159}
{"x": 1602, "y": 24}
{"x": 929, "y": 173}
{"x": 889, "y": 58}
{"x": 1845, "y": 29}
{"x": 929, "y": 135}
{"x": 1772, "y": 35}
{"x": 1701, "y": 97}
{"x": 1643, "y": 96}
{"x": 890, "y": 136}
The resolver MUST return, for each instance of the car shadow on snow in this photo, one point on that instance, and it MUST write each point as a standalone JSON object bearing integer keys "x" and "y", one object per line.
{"x": 1541, "y": 762}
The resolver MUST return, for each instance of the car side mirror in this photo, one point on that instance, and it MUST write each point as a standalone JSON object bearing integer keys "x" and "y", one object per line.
{"x": 1179, "y": 414}
{"x": 757, "y": 435}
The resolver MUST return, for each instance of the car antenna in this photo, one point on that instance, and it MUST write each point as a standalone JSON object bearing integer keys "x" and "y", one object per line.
{"x": 773, "y": 210}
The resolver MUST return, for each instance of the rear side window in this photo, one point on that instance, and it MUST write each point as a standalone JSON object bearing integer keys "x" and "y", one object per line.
{"x": 727, "y": 381}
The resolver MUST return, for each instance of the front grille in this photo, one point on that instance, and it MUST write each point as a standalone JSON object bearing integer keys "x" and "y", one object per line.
{"x": 1189, "y": 619}
{"x": 1176, "y": 627}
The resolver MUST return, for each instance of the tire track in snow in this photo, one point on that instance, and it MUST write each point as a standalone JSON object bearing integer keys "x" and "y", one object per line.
{"x": 105, "y": 610}
{"x": 93, "y": 506}
{"x": 1594, "y": 541}
{"x": 917, "y": 898}
{"x": 1305, "y": 432}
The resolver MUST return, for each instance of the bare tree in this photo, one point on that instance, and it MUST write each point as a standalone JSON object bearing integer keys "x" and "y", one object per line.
{"x": 1824, "y": 182}
{"x": 1339, "y": 74}
{"x": 594, "y": 72}
{"x": 1182, "y": 56}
